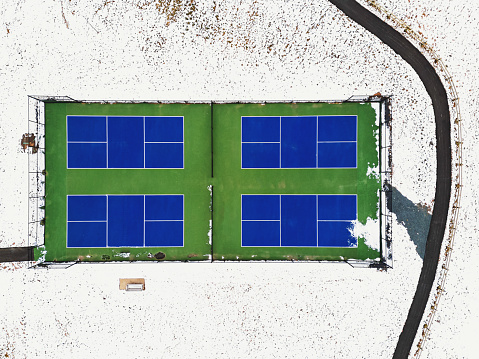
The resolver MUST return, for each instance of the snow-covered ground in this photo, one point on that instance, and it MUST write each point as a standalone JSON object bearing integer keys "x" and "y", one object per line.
{"x": 232, "y": 50}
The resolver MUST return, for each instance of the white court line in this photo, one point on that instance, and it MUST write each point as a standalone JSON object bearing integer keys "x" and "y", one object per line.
{"x": 261, "y": 142}
{"x": 260, "y": 220}
{"x": 106, "y": 244}
{"x": 86, "y": 221}
{"x": 317, "y": 232}
{"x": 144, "y": 163}
{"x": 183, "y": 198}
{"x": 317, "y": 126}
{"x": 144, "y": 205}
{"x": 107, "y": 154}
{"x": 335, "y": 220}
{"x": 163, "y": 220}
{"x": 280, "y": 139}
{"x": 86, "y": 142}
{"x": 337, "y": 141}
{"x": 280, "y": 220}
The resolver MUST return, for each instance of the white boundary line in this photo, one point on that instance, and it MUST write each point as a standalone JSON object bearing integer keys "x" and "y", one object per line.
{"x": 241, "y": 156}
{"x": 144, "y": 156}
{"x": 183, "y": 242}
{"x": 107, "y": 153}
{"x": 335, "y": 220}
{"x": 357, "y": 133}
{"x": 144, "y": 205}
{"x": 66, "y": 215}
{"x": 317, "y": 232}
{"x": 337, "y": 141}
{"x": 317, "y": 129}
{"x": 241, "y": 211}
{"x": 280, "y": 232}
{"x": 163, "y": 220}
{"x": 183, "y": 166}
{"x": 66, "y": 136}
{"x": 280, "y": 164}
{"x": 260, "y": 220}
{"x": 86, "y": 221}
{"x": 296, "y": 168}
{"x": 106, "y": 244}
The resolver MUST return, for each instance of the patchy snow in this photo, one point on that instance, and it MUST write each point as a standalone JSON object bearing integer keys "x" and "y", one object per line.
{"x": 233, "y": 50}
{"x": 210, "y": 232}
{"x": 210, "y": 223}
{"x": 373, "y": 172}
{"x": 368, "y": 231}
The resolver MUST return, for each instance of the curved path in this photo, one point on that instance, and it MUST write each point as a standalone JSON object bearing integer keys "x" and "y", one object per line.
{"x": 438, "y": 95}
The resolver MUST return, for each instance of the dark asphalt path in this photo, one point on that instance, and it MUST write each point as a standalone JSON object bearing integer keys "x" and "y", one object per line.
{"x": 16, "y": 254}
{"x": 438, "y": 95}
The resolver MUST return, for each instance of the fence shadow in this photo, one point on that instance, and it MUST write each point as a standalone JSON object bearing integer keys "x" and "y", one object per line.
{"x": 414, "y": 217}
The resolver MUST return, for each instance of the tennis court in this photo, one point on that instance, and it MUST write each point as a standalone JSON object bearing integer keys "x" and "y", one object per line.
{"x": 125, "y": 221}
{"x": 127, "y": 181}
{"x": 299, "y": 142}
{"x": 298, "y": 220}
{"x": 295, "y": 181}
{"x": 125, "y": 142}
{"x": 210, "y": 181}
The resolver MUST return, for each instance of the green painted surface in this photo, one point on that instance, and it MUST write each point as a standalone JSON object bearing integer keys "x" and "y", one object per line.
{"x": 230, "y": 181}
{"x": 192, "y": 181}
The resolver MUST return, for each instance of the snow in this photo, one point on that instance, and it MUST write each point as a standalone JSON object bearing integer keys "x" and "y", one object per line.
{"x": 210, "y": 223}
{"x": 373, "y": 172}
{"x": 368, "y": 231}
{"x": 233, "y": 50}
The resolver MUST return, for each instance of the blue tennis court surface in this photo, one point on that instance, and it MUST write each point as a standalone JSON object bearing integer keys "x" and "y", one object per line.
{"x": 299, "y": 142}
{"x": 298, "y": 220}
{"x": 125, "y": 142}
{"x": 125, "y": 221}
